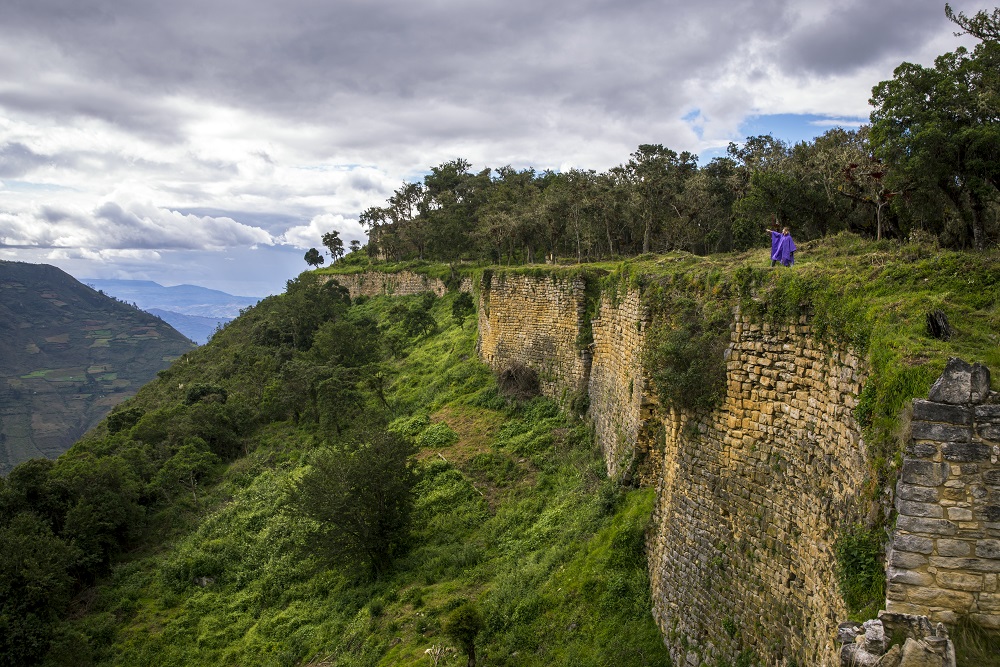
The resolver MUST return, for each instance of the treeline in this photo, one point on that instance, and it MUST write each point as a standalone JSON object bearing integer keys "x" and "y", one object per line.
{"x": 305, "y": 359}
{"x": 928, "y": 162}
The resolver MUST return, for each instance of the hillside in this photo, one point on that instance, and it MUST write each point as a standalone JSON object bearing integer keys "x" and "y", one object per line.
{"x": 227, "y": 484}
{"x": 67, "y": 356}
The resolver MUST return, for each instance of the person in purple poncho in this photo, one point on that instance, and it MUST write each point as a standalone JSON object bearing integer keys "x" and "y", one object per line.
{"x": 782, "y": 247}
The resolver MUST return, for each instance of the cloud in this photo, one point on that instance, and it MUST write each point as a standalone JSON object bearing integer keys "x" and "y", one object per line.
{"x": 135, "y": 226}
{"x": 311, "y": 235}
{"x": 195, "y": 125}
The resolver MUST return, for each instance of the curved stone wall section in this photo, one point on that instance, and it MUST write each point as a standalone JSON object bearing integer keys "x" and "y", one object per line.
{"x": 618, "y": 405}
{"x": 750, "y": 499}
{"x": 535, "y": 322}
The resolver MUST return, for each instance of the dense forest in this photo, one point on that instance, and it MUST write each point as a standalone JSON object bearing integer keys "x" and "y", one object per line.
{"x": 929, "y": 162}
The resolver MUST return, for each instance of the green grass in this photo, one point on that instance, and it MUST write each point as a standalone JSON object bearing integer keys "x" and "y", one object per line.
{"x": 513, "y": 512}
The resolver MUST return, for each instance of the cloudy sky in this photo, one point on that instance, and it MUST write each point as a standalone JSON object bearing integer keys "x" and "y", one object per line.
{"x": 212, "y": 141}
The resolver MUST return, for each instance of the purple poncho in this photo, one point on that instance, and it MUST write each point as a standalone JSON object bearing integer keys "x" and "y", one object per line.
{"x": 783, "y": 248}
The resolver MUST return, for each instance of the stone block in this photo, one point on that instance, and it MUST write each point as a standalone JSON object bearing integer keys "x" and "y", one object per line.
{"x": 991, "y": 513}
{"x": 941, "y": 412}
{"x": 984, "y": 565}
{"x": 924, "y": 473}
{"x": 987, "y": 412}
{"x": 966, "y": 451}
{"x": 913, "y": 544}
{"x": 942, "y": 597}
{"x": 911, "y": 577}
{"x": 910, "y": 508}
{"x": 989, "y": 621}
{"x": 920, "y": 494}
{"x": 988, "y": 549}
{"x": 989, "y": 601}
{"x": 957, "y": 548}
{"x": 989, "y": 432}
{"x": 961, "y": 383}
{"x": 941, "y": 527}
{"x": 906, "y": 560}
{"x": 921, "y": 449}
{"x": 959, "y": 514}
{"x": 959, "y": 581}
{"x": 920, "y": 430}
{"x": 908, "y": 608}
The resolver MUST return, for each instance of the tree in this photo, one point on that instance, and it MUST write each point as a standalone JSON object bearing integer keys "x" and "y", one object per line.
{"x": 360, "y": 494}
{"x": 461, "y": 308}
{"x": 355, "y": 245}
{"x": 334, "y": 244}
{"x": 940, "y": 126}
{"x": 313, "y": 258}
{"x": 464, "y": 625}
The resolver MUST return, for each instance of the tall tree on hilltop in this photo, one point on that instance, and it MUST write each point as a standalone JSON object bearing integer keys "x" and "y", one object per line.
{"x": 334, "y": 244}
{"x": 940, "y": 126}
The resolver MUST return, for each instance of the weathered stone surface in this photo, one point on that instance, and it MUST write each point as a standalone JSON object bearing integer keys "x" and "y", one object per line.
{"x": 910, "y": 508}
{"x": 940, "y": 432}
{"x": 920, "y": 494}
{"x": 921, "y": 449}
{"x": 989, "y": 432}
{"x": 992, "y": 477}
{"x": 914, "y": 544}
{"x": 991, "y": 513}
{"x": 957, "y": 548}
{"x": 942, "y": 412}
{"x": 961, "y": 383}
{"x": 941, "y": 527}
{"x": 966, "y": 451}
{"x": 960, "y": 581}
{"x": 988, "y": 549}
{"x": 906, "y": 560}
{"x": 918, "y": 654}
{"x": 987, "y": 413}
{"x": 924, "y": 473}
{"x": 909, "y": 577}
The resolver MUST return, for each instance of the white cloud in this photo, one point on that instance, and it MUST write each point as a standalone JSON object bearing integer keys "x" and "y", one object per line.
{"x": 311, "y": 235}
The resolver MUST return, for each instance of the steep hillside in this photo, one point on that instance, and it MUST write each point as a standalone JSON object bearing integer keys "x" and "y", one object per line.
{"x": 67, "y": 356}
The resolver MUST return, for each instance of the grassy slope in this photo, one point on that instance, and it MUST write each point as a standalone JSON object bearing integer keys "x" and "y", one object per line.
{"x": 513, "y": 509}
{"x": 513, "y": 512}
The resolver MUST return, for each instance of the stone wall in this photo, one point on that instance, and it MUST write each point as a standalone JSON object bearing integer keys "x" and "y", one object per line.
{"x": 750, "y": 499}
{"x": 750, "y": 496}
{"x": 945, "y": 556}
{"x": 536, "y": 322}
{"x": 404, "y": 283}
{"x": 619, "y": 405}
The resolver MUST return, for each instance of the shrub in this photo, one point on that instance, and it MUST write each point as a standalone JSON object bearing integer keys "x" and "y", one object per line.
{"x": 860, "y": 573}
{"x": 519, "y": 382}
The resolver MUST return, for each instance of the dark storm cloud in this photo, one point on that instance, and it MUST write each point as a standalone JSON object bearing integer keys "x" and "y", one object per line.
{"x": 855, "y": 33}
{"x": 16, "y": 160}
{"x": 443, "y": 68}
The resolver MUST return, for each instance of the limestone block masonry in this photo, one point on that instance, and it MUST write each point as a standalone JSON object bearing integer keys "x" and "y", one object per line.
{"x": 945, "y": 556}
{"x": 750, "y": 497}
{"x": 404, "y": 283}
{"x": 536, "y": 322}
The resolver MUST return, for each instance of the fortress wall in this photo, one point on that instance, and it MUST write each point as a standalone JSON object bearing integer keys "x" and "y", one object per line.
{"x": 750, "y": 499}
{"x": 404, "y": 283}
{"x": 535, "y": 322}
{"x": 750, "y": 496}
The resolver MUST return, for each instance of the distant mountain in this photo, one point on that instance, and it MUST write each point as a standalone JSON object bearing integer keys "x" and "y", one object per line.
{"x": 183, "y": 299}
{"x": 197, "y": 328}
{"x": 68, "y": 355}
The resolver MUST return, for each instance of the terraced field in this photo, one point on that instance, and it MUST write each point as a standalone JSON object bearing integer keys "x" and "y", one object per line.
{"x": 68, "y": 354}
